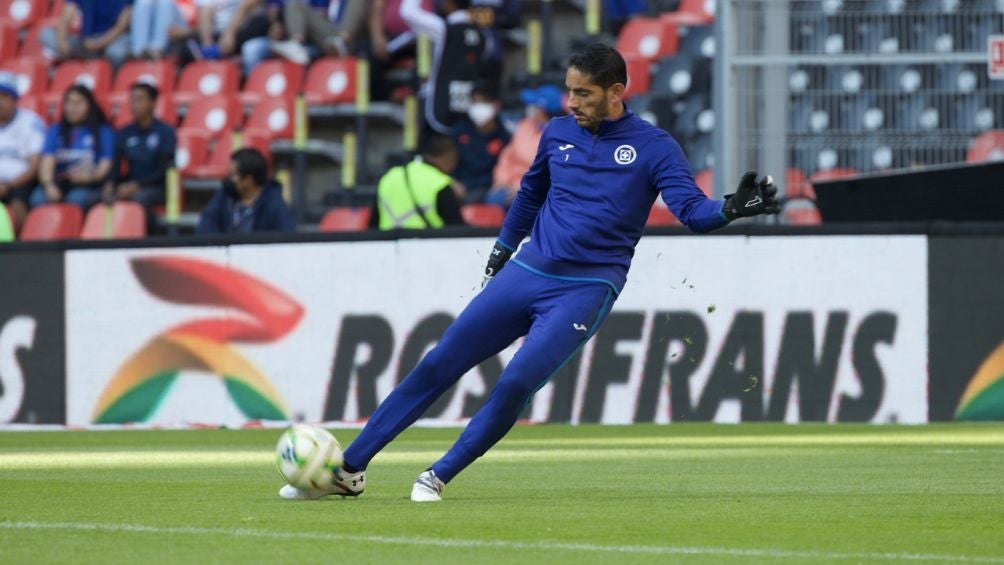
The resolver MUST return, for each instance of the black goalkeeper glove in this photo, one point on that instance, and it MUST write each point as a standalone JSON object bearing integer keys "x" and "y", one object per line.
{"x": 752, "y": 198}
{"x": 496, "y": 261}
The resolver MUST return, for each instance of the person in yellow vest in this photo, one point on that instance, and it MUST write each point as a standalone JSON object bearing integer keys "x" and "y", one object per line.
{"x": 6, "y": 226}
{"x": 420, "y": 194}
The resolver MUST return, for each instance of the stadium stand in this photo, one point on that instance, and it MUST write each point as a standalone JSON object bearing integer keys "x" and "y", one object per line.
{"x": 160, "y": 74}
{"x": 22, "y": 13}
{"x": 271, "y": 118}
{"x": 32, "y": 75}
{"x": 331, "y": 80}
{"x": 96, "y": 75}
{"x": 988, "y": 146}
{"x": 275, "y": 78}
{"x": 213, "y": 115}
{"x": 661, "y": 216}
{"x": 8, "y": 40}
{"x": 648, "y": 38}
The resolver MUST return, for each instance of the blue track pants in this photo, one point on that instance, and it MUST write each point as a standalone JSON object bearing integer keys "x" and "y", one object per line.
{"x": 558, "y": 316}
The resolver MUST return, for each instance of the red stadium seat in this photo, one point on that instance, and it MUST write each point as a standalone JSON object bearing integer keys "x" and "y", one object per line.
{"x": 206, "y": 78}
{"x": 159, "y": 74}
{"x": 482, "y": 215}
{"x": 217, "y": 164}
{"x": 988, "y": 146}
{"x": 639, "y": 75}
{"x": 692, "y": 13}
{"x": 191, "y": 152}
{"x": 122, "y": 220}
{"x": 331, "y": 80}
{"x": 52, "y": 221}
{"x": 32, "y": 75}
{"x": 31, "y": 45}
{"x": 272, "y": 118}
{"x": 8, "y": 40}
{"x": 648, "y": 38}
{"x": 213, "y": 115}
{"x": 164, "y": 109}
{"x": 345, "y": 219}
{"x": 95, "y": 75}
{"x": 275, "y": 78}
{"x": 22, "y": 13}
{"x": 660, "y": 215}
{"x": 55, "y": 8}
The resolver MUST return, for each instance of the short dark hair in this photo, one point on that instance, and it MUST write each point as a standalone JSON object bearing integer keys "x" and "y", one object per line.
{"x": 148, "y": 88}
{"x": 437, "y": 145}
{"x": 602, "y": 63}
{"x": 251, "y": 162}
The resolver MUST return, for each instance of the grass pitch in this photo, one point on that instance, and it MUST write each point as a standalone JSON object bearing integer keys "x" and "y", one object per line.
{"x": 546, "y": 494}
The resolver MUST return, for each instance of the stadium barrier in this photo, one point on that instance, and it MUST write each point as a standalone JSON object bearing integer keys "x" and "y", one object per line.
{"x": 883, "y": 325}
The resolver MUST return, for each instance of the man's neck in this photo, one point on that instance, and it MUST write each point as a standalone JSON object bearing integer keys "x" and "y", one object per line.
{"x": 145, "y": 123}
{"x": 615, "y": 114}
{"x": 8, "y": 119}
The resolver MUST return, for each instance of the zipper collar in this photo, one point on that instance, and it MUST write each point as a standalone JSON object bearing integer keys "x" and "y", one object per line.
{"x": 610, "y": 126}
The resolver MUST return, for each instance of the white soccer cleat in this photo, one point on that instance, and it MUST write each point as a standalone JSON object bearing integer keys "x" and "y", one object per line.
{"x": 427, "y": 488}
{"x": 342, "y": 484}
{"x": 292, "y": 51}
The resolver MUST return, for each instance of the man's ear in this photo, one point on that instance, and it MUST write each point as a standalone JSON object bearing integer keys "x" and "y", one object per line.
{"x": 616, "y": 91}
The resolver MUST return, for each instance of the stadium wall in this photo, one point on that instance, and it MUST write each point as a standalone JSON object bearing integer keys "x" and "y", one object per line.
{"x": 874, "y": 327}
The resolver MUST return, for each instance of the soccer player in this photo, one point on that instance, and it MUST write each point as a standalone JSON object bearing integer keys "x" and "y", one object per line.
{"x": 586, "y": 197}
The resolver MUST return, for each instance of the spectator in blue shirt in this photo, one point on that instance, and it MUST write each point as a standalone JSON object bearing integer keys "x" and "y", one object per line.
{"x": 146, "y": 147}
{"x": 103, "y": 28}
{"x": 247, "y": 201}
{"x": 77, "y": 153}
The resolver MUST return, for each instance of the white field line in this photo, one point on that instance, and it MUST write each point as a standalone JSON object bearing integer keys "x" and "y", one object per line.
{"x": 498, "y": 544}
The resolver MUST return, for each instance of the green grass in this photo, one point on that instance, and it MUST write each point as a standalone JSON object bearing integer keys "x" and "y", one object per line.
{"x": 651, "y": 494}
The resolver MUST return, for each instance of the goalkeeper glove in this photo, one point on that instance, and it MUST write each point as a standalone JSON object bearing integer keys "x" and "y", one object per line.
{"x": 496, "y": 261}
{"x": 752, "y": 198}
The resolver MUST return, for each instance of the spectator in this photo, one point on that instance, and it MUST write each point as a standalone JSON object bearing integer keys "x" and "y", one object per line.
{"x": 225, "y": 28}
{"x": 309, "y": 24}
{"x": 479, "y": 137}
{"x": 493, "y": 16}
{"x": 248, "y": 201}
{"x": 146, "y": 147}
{"x": 77, "y": 154}
{"x": 153, "y": 24}
{"x": 103, "y": 28}
{"x": 461, "y": 57}
{"x": 22, "y": 134}
{"x": 542, "y": 104}
{"x": 391, "y": 42}
{"x": 420, "y": 194}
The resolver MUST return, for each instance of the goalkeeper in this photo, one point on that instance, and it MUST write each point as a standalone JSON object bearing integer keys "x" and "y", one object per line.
{"x": 586, "y": 197}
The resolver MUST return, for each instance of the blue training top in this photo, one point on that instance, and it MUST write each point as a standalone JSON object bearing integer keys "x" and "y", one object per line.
{"x": 587, "y": 197}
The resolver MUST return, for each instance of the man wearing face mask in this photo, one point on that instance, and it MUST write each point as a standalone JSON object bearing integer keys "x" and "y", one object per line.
{"x": 480, "y": 138}
{"x": 248, "y": 201}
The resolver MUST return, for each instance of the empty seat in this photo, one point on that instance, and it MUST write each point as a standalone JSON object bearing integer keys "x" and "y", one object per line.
{"x": 345, "y": 219}
{"x": 331, "y": 80}
{"x": 206, "y": 78}
{"x": 191, "y": 152}
{"x": 797, "y": 187}
{"x": 482, "y": 215}
{"x": 649, "y": 38}
{"x": 22, "y": 13}
{"x": 272, "y": 118}
{"x": 988, "y": 146}
{"x": 31, "y": 45}
{"x": 213, "y": 115}
{"x": 660, "y": 215}
{"x": 698, "y": 42}
{"x": 275, "y": 78}
{"x": 806, "y": 215}
{"x": 121, "y": 220}
{"x": 52, "y": 221}
{"x": 695, "y": 118}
